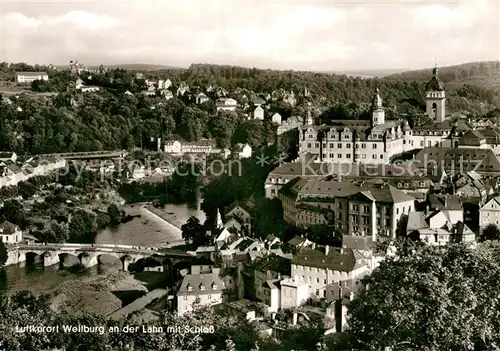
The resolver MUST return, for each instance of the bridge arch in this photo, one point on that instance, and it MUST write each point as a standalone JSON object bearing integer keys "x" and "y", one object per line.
{"x": 95, "y": 259}
{"x": 67, "y": 259}
{"x": 32, "y": 257}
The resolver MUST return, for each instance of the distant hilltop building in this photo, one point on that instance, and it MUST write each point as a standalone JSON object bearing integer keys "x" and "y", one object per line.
{"x": 28, "y": 77}
{"x": 77, "y": 68}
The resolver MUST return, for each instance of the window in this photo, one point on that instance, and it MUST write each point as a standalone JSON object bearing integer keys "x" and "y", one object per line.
{"x": 374, "y": 157}
{"x": 404, "y": 141}
{"x": 397, "y": 210}
{"x": 317, "y": 292}
{"x": 317, "y": 280}
{"x": 185, "y": 298}
{"x": 355, "y": 207}
{"x": 316, "y": 145}
{"x": 381, "y": 156}
{"x": 324, "y": 281}
{"x": 331, "y": 145}
{"x": 331, "y": 155}
{"x": 421, "y": 143}
{"x": 339, "y": 146}
{"x": 309, "y": 145}
{"x": 366, "y": 209}
{"x": 348, "y": 145}
{"x": 324, "y": 145}
{"x": 339, "y": 155}
{"x": 374, "y": 146}
{"x": 365, "y": 220}
{"x": 363, "y": 146}
{"x": 324, "y": 293}
{"x": 348, "y": 155}
{"x": 387, "y": 222}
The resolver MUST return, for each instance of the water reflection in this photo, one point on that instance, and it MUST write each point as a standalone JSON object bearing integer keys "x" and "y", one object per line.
{"x": 148, "y": 230}
{"x": 39, "y": 279}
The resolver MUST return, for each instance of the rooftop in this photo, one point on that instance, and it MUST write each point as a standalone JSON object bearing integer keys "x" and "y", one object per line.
{"x": 336, "y": 259}
{"x": 207, "y": 283}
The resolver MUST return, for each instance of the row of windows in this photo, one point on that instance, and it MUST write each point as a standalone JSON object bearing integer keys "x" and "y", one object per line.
{"x": 339, "y": 145}
{"x": 366, "y": 221}
{"x": 315, "y": 270}
{"x": 357, "y": 156}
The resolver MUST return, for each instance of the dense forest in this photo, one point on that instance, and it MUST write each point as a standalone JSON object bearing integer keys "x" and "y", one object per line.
{"x": 69, "y": 120}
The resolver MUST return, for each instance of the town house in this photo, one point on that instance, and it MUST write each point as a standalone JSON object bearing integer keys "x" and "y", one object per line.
{"x": 10, "y": 233}
{"x": 320, "y": 268}
{"x": 198, "y": 290}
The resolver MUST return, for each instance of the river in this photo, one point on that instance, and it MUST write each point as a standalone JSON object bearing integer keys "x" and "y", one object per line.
{"x": 148, "y": 230}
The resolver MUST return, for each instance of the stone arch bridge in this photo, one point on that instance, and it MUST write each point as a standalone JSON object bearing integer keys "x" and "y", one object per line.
{"x": 89, "y": 254}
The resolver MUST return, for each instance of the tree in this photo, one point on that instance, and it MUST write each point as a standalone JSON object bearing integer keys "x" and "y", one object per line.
{"x": 194, "y": 233}
{"x": 490, "y": 232}
{"x": 3, "y": 254}
{"x": 115, "y": 216}
{"x": 432, "y": 299}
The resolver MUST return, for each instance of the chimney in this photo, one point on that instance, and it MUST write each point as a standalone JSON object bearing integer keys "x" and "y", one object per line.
{"x": 327, "y": 249}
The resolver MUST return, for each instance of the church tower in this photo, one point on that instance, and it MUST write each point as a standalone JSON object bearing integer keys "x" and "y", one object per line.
{"x": 435, "y": 99}
{"x": 378, "y": 113}
{"x": 220, "y": 224}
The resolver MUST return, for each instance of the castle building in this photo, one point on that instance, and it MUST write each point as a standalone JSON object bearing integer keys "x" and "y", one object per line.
{"x": 376, "y": 141}
{"x": 372, "y": 141}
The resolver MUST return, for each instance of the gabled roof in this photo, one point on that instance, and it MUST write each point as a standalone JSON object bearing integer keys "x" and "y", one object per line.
{"x": 495, "y": 199}
{"x": 8, "y": 228}
{"x": 336, "y": 259}
{"x": 247, "y": 205}
{"x": 296, "y": 241}
{"x": 192, "y": 284}
{"x": 473, "y": 134}
{"x": 357, "y": 242}
{"x": 445, "y": 202}
{"x": 273, "y": 263}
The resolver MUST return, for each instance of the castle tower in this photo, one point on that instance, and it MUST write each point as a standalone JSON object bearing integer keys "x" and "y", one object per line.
{"x": 435, "y": 99}
{"x": 407, "y": 137}
{"x": 378, "y": 113}
{"x": 220, "y": 224}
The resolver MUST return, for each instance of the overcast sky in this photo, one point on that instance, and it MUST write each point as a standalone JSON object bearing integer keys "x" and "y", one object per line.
{"x": 280, "y": 34}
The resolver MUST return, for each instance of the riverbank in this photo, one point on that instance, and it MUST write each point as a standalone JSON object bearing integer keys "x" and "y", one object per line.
{"x": 98, "y": 294}
{"x": 169, "y": 217}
